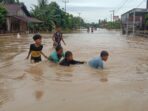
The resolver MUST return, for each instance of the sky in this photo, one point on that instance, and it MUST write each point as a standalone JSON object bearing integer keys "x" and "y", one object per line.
{"x": 93, "y": 10}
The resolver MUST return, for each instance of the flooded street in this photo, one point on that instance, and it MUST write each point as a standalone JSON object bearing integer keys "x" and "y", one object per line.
{"x": 122, "y": 86}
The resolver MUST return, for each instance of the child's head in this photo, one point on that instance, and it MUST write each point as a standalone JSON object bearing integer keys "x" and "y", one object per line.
{"x": 59, "y": 50}
{"x": 58, "y": 28}
{"x": 104, "y": 55}
{"x": 69, "y": 56}
{"x": 38, "y": 39}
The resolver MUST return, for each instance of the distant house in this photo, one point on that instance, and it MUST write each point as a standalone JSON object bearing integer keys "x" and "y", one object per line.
{"x": 116, "y": 18}
{"x": 134, "y": 20}
{"x": 18, "y": 18}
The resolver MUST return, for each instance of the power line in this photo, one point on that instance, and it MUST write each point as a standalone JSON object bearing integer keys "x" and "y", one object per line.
{"x": 122, "y": 6}
{"x": 65, "y": 2}
{"x": 113, "y": 14}
{"x": 140, "y": 3}
{"x": 124, "y": 3}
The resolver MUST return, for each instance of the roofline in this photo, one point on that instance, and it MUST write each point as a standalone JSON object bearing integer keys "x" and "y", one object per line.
{"x": 133, "y": 10}
{"x": 21, "y": 5}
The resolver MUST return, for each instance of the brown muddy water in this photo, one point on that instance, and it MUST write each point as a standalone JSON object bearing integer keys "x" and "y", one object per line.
{"x": 122, "y": 86}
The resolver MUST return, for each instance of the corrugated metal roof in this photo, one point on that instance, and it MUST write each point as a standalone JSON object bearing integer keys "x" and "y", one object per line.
{"x": 28, "y": 19}
{"x": 135, "y": 10}
{"x": 12, "y": 10}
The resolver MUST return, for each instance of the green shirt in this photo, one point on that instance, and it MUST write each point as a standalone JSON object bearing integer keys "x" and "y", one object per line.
{"x": 54, "y": 57}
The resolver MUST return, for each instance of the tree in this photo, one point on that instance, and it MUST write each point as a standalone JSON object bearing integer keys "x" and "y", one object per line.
{"x": 9, "y": 1}
{"x": 42, "y": 3}
{"x": 52, "y": 15}
{"x": 17, "y": 1}
{"x": 3, "y": 13}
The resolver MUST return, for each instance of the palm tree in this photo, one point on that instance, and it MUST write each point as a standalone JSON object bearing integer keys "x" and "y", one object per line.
{"x": 17, "y": 1}
{"x": 42, "y": 3}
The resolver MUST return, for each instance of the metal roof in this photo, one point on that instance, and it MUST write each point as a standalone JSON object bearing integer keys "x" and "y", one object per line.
{"x": 28, "y": 19}
{"x": 12, "y": 10}
{"x": 136, "y": 10}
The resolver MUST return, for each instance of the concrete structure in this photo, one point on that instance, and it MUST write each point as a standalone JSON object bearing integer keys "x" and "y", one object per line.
{"x": 134, "y": 20}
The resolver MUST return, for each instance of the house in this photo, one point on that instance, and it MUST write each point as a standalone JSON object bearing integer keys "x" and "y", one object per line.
{"x": 116, "y": 18}
{"x": 18, "y": 18}
{"x": 134, "y": 20}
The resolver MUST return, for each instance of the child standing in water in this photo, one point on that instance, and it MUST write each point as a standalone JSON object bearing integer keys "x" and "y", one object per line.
{"x": 36, "y": 50}
{"x": 58, "y": 37}
{"x": 68, "y": 60}
{"x": 97, "y": 62}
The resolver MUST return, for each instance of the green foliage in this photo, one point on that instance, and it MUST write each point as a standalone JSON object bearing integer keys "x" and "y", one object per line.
{"x": 42, "y": 3}
{"x": 2, "y": 16}
{"x": 52, "y": 15}
{"x": 146, "y": 19}
{"x": 109, "y": 25}
{"x": 9, "y": 1}
{"x": 113, "y": 25}
{"x": 96, "y": 25}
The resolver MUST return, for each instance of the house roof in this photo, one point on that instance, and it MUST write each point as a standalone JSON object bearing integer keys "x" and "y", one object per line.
{"x": 135, "y": 10}
{"x": 28, "y": 19}
{"x": 12, "y": 10}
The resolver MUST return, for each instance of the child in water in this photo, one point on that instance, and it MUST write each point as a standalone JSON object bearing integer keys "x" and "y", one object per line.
{"x": 36, "y": 50}
{"x": 58, "y": 37}
{"x": 56, "y": 55}
{"x": 68, "y": 60}
{"x": 97, "y": 62}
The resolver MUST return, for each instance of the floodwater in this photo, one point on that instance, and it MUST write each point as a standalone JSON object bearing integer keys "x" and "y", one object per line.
{"x": 121, "y": 86}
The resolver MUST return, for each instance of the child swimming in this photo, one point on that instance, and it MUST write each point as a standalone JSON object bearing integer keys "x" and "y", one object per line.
{"x": 68, "y": 60}
{"x": 56, "y": 55}
{"x": 97, "y": 62}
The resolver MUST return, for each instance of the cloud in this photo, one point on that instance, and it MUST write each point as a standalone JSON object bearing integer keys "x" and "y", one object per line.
{"x": 92, "y": 10}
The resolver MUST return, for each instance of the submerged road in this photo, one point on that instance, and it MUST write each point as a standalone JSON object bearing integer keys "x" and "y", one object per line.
{"x": 121, "y": 86}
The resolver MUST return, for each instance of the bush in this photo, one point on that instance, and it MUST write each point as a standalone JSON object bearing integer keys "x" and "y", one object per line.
{"x": 3, "y": 13}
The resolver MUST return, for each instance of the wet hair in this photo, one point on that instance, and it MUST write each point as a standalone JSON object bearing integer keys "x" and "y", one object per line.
{"x": 104, "y": 53}
{"x": 36, "y": 37}
{"x": 58, "y": 48}
{"x": 68, "y": 54}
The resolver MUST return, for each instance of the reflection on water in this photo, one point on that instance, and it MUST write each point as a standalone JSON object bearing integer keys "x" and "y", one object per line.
{"x": 122, "y": 86}
{"x": 39, "y": 95}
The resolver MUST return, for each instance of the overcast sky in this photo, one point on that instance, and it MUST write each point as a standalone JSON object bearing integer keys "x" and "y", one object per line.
{"x": 93, "y": 10}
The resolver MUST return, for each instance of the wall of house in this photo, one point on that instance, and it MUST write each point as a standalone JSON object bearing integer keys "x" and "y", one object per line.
{"x": 23, "y": 26}
{"x": 14, "y": 25}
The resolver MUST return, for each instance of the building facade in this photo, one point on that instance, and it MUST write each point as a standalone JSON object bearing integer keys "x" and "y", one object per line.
{"x": 18, "y": 18}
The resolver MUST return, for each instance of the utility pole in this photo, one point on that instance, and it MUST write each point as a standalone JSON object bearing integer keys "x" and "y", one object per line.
{"x": 65, "y": 2}
{"x": 134, "y": 18}
{"x": 147, "y": 5}
{"x": 80, "y": 20}
{"x": 113, "y": 11}
{"x": 127, "y": 24}
{"x": 111, "y": 17}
